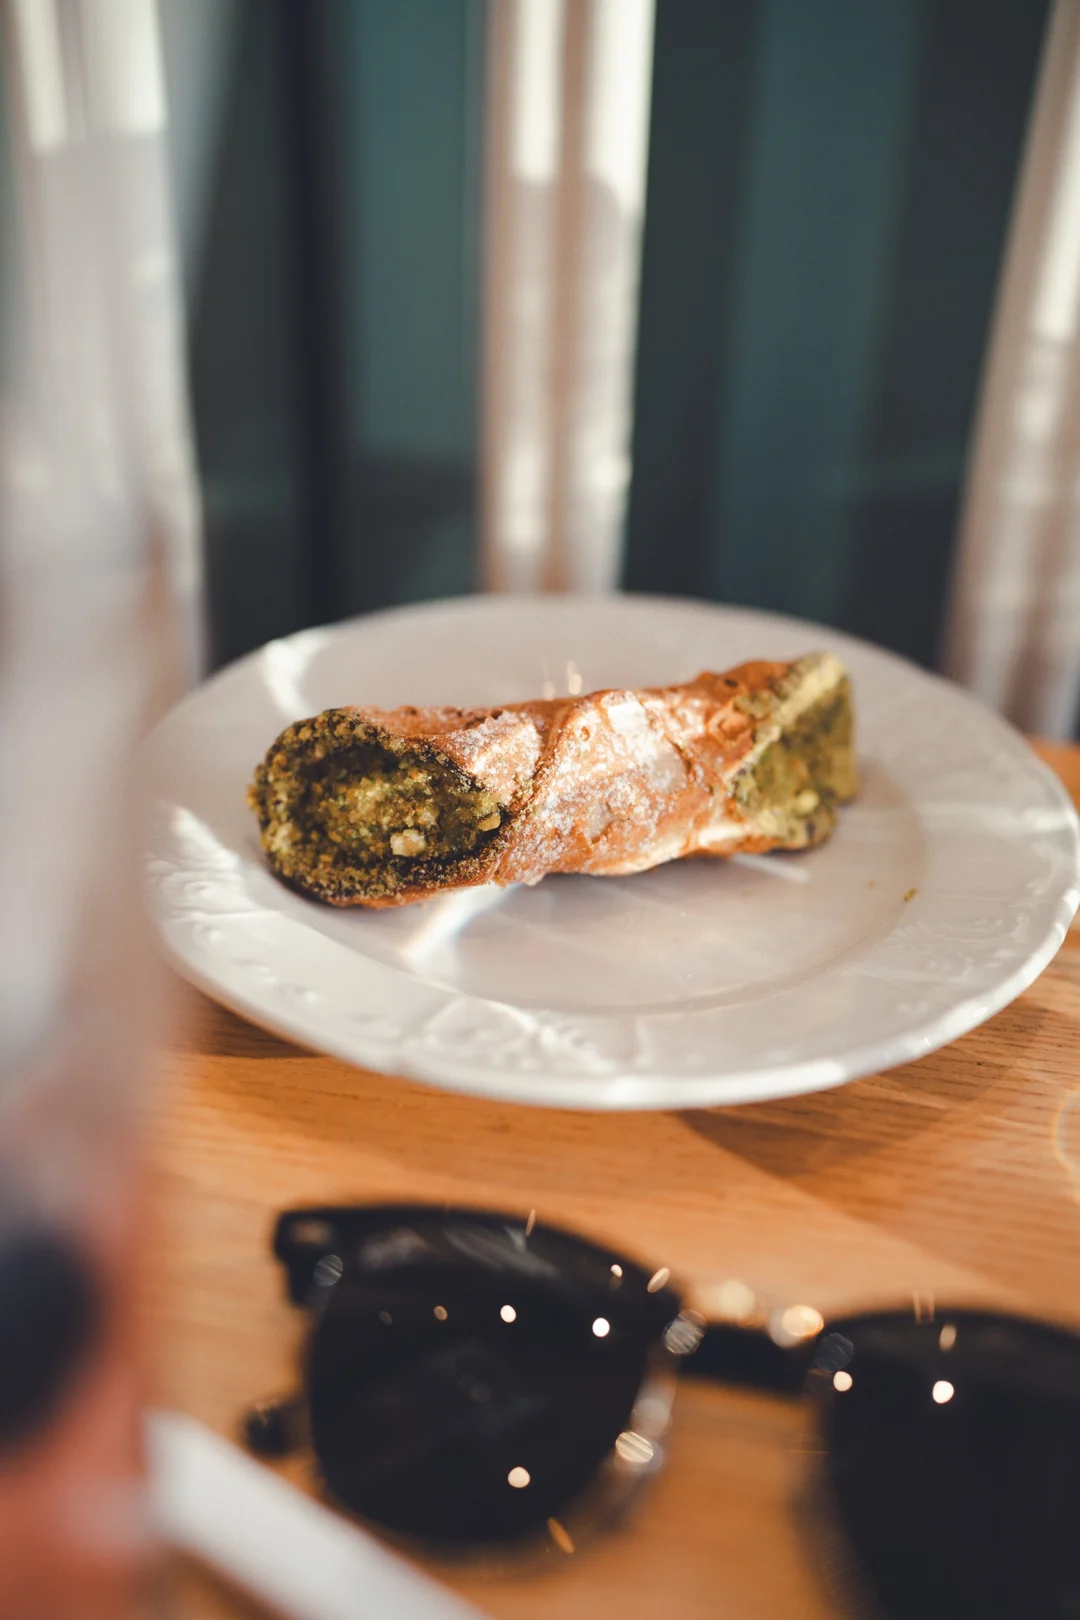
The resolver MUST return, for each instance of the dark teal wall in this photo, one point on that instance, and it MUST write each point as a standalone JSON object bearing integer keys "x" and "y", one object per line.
{"x": 245, "y": 332}
{"x": 334, "y": 317}
{"x": 409, "y": 92}
{"x": 829, "y": 189}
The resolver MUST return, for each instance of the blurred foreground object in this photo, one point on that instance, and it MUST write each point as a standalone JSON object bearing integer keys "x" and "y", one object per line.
{"x": 302, "y": 1559}
{"x": 97, "y": 548}
{"x": 1015, "y": 626}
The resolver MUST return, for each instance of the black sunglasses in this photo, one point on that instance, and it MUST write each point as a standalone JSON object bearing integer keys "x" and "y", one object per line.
{"x": 475, "y": 1380}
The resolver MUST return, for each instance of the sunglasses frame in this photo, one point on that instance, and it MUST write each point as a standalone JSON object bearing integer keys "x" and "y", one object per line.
{"x": 317, "y": 1246}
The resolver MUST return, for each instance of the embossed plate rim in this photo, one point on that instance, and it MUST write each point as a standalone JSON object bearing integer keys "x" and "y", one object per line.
{"x": 495, "y": 1049}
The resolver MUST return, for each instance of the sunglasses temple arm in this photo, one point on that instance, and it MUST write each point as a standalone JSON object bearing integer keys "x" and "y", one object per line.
{"x": 749, "y": 1359}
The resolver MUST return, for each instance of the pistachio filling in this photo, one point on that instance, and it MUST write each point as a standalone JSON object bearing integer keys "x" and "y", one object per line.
{"x": 372, "y": 804}
{"x": 353, "y": 819}
{"x": 794, "y": 785}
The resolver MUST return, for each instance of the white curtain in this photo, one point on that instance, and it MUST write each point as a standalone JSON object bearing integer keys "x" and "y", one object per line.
{"x": 565, "y": 201}
{"x": 99, "y": 515}
{"x": 103, "y": 361}
{"x": 1014, "y": 631}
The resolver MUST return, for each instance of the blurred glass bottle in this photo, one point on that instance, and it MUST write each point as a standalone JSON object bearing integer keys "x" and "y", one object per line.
{"x": 98, "y": 609}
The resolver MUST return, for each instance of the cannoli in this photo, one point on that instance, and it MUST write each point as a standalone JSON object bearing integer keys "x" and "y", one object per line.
{"x": 379, "y": 807}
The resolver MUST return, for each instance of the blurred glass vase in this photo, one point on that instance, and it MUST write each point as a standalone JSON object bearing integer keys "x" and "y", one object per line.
{"x": 98, "y": 596}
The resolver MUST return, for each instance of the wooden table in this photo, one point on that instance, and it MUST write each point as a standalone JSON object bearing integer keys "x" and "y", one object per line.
{"x": 957, "y": 1176}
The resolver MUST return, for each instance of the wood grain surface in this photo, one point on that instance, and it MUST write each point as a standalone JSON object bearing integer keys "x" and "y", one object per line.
{"x": 957, "y": 1176}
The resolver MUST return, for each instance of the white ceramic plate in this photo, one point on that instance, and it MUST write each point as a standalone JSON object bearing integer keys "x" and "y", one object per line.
{"x": 946, "y": 889}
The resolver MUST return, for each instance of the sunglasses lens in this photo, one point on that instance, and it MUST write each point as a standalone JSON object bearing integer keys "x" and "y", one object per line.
{"x": 465, "y": 1386}
{"x": 954, "y": 1457}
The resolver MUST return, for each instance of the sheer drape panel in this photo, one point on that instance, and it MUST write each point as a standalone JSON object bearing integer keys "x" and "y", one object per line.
{"x": 104, "y": 371}
{"x": 99, "y": 560}
{"x": 568, "y": 100}
{"x": 1014, "y": 633}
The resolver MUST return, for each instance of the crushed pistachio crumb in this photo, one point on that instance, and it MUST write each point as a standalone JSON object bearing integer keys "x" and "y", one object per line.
{"x": 409, "y": 842}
